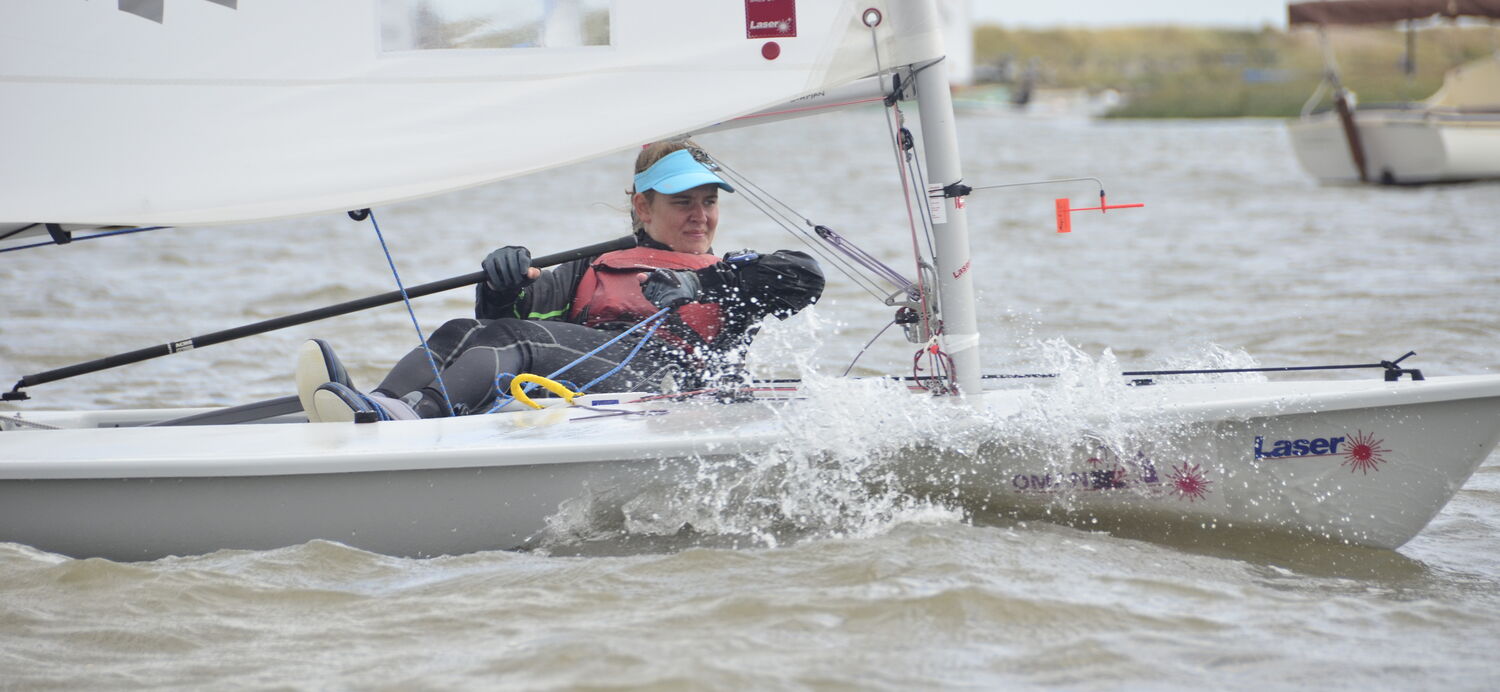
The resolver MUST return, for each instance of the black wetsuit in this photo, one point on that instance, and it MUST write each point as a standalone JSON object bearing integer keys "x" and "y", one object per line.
{"x": 527, "y": 331}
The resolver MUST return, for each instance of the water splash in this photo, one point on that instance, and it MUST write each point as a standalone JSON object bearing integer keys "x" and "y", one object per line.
{"x": 859, "y": 457}
{"x": 1209, "y": 356}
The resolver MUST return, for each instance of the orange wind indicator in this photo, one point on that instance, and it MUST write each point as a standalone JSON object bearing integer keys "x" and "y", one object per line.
{"x": 1065, "y": 222}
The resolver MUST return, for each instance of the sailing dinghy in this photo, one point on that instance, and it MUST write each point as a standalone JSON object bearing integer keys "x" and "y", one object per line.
{"x": 207, "y": 102}
{"x": 1451, "y": 136}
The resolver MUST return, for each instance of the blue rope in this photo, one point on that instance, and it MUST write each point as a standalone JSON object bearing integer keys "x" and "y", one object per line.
{"x": 425, "y": 349}
{"x": 649, "y": 333}
{"x": 501, "y": 387}
{"x": 87, "y": 237}
{"x": 503, "y": 400}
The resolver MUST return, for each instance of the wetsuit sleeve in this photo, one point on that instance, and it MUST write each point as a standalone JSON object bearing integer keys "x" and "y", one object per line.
{"x": 550, "y": 297}
{"x": 779, "y": 284}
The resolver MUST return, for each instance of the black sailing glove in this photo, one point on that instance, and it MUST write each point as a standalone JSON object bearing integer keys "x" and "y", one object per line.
{"x": 779, "y": 284}
{"x": 505, "y": 270}
{"x": 670, "y": 288}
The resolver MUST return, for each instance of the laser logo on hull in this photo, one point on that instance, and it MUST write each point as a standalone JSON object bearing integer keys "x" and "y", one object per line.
{"x": 1362, "y": 451}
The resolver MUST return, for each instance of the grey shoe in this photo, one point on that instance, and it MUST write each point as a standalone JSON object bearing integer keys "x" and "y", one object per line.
{"x": 393, "y": 409}
{"x": 333, "y": 402}
{"x": 336, "y": 403}
{"x": 316, "y": 365}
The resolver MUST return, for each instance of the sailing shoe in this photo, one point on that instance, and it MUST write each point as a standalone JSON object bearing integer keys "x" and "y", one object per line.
{"x": 317, "y": 364}
{"x": 393, "y": 409}
{"x": 334, "y": 402}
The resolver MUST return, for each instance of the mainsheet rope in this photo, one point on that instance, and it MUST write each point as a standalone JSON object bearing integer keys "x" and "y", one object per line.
{"x": 501, "y": 399}
{"x": 104, "y": 234}
{"x": 436, "y": 372}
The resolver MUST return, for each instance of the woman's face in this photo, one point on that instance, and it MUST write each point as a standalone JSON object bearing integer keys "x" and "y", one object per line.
{"x": 684, "y": 221}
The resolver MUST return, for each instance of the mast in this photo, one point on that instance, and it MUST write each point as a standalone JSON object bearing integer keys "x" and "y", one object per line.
{"x": 1343, "y": 107}
{"x": 951, "y": 228}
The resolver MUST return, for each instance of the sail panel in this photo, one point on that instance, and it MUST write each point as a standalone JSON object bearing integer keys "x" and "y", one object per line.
{"x": 220, "y": 114}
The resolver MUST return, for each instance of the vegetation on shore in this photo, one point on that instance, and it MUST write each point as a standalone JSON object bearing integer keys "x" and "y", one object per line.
{"x": 1179, "y": 72}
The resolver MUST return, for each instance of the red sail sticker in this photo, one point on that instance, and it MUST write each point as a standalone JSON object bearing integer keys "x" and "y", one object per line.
{"x": 770, "y": 18}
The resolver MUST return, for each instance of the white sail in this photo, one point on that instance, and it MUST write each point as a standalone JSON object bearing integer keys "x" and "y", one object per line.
{"x": 201, "y": 112}
{"x": 958, "y": 40}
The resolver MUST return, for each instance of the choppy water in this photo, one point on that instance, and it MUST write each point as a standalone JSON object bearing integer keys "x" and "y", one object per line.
{"x": 1237, "y": 258}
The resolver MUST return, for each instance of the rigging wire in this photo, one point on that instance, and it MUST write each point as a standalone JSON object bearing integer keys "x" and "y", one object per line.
{"x": 919, "y": 174}
{"x": 785, "y": 216}
{"x": 849, "y": 259}
{"x": 939, "y": 362}
{"x": 868, "y": 262}
{"x": 781, "y": 214}
{"x": 867, "y": 347}
{"x": 14, "y": 231}
{"x": 911, "y": 220}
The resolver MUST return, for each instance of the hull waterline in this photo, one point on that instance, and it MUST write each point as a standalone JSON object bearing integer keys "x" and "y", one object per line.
{"x": 1367, "y": 463}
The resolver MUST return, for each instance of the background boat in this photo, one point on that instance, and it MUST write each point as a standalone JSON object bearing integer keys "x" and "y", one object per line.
{"x": 1453, "y": 135}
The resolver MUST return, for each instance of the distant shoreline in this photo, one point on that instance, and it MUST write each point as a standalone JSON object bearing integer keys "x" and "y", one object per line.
{"x": 1181, "y": 72}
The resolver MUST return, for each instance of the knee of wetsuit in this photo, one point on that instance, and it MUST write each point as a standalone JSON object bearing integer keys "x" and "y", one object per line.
{"x": 454, "y": 328}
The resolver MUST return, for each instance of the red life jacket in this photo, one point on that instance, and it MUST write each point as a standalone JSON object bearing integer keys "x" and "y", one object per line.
{"x": 610, "y": 291}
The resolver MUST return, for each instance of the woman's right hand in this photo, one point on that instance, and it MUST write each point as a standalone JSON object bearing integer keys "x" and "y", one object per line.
{"x": 509, "y": 268}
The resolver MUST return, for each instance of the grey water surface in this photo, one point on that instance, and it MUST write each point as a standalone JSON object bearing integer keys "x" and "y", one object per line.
{"x": 1237, "y": 258}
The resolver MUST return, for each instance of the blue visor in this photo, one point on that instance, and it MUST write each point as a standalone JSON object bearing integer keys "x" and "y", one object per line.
{"x": 676, "y": 172}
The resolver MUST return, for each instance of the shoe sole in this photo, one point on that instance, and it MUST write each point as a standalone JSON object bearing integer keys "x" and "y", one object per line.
{"x": 316, "y": 364}
{"x": 330, "y": 407}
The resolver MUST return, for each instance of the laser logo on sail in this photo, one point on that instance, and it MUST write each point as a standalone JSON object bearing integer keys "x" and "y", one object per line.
{"x": 770, "y": 18}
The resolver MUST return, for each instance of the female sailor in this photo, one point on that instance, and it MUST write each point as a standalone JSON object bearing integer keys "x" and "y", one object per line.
{"x": 530, "y": 321}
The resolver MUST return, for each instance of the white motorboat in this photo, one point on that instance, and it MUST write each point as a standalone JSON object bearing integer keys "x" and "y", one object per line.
{"x": 1452, "y": 136}
{"x": 1363, "y": 462}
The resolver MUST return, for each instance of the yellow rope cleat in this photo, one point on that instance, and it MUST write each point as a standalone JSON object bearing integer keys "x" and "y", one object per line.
{"x": 519, "y": 381}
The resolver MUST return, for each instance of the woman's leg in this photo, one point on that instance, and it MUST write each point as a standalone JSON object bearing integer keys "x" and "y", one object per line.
{"x": 414, "y": 371}
{"x": 540, "y": 347}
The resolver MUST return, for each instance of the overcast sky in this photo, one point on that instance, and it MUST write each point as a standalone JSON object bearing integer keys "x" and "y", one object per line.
{"x": 1093, "y": 13}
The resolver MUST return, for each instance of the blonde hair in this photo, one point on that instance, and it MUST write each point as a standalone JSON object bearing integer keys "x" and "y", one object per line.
{"x": 655, "y": 151}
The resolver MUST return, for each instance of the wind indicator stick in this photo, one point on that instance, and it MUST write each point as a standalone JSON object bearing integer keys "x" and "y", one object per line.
{"x": 1065, "y": 222}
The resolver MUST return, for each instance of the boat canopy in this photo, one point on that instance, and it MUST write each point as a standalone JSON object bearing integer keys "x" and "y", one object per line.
{"x": 1472, "y": 86}
{"x": 1386, "y": 11}
{"x": 191, "y": 112}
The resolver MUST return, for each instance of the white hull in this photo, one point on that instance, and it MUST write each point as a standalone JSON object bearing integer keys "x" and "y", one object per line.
{"x": 1401, "y": 146}
{"x": 491, "y": 482}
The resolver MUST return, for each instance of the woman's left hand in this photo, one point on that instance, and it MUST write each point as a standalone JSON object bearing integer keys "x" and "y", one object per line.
{"x": 670, "y": 288}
